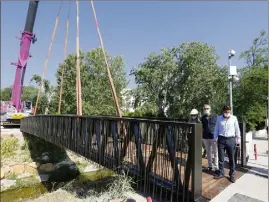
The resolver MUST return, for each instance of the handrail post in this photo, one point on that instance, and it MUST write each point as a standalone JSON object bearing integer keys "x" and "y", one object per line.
{"x": 196, "y": 178}
{"x": 243, "y": 143}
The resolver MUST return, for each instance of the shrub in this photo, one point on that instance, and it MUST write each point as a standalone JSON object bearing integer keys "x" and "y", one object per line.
{"x": 9, "y": 146}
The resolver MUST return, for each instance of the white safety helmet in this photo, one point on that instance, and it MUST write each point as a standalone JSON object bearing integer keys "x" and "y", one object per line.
{"x": 194, "y": 112}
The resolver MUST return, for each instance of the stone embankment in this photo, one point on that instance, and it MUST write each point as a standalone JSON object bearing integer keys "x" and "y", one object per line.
{"x": 18, "y": 161}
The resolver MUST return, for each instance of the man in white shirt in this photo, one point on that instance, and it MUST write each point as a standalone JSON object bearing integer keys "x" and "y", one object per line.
{"x": 227, "y": 135}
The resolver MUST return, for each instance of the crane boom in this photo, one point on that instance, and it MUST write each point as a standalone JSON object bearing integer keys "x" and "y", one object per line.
{"x": 12, "y": 111}
{"x": 26, "y": 39}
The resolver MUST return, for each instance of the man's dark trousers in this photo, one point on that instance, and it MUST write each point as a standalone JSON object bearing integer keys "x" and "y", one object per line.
{"x": 227, "y": 144}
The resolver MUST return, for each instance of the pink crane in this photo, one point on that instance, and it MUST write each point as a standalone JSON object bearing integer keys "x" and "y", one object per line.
{"x": 16, "y": 109}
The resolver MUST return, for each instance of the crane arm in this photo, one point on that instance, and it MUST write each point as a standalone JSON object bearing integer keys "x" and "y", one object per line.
{"x": 25, "y": 42}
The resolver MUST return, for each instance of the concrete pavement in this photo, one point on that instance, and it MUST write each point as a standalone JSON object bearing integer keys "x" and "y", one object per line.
{"x": 252, "y": 186}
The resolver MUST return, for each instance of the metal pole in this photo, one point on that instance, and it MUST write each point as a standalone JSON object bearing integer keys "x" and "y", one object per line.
{"x": 231, "y": 87}
{"x": 78, "y": 79}
{"x": 165, "y": 97}
{"x": 231, "y": 94}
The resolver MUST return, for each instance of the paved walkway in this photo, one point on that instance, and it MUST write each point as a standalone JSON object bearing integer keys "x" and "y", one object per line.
{"x": 252, "y": 186}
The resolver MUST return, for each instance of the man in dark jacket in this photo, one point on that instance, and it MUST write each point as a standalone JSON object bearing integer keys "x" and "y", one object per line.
{"x": 209, "y": 121}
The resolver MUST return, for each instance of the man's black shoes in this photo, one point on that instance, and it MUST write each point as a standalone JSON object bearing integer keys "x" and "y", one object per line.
{"x": 247, "y": 158}
{"x": 207, "y": 169}
{"x": 218, "y": 176}
{"x": 232, "y": 179}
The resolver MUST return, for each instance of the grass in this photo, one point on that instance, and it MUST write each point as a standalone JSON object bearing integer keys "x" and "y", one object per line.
{"x": 92, "y": 190}
{"x": 26, "y": 155}
{"x": 94, "y": 176}
{"x": 104, "y": 184}
{"x": 24, "y": 183}
{"x": 24, "y": 188}
{"x": 81, "y": 165}
{"x": 11, "y": 176}
{"x": 120, "y": 186}
{"x": 9, "y": 146}
{"x": 26, "y": 158}
{"x": 97, "y": 186}
{"x": 25, "y": 145}
{"x": 27, "y": 182}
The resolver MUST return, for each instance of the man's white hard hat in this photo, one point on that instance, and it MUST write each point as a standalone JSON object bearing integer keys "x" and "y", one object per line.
{"x": 194, "y": 112}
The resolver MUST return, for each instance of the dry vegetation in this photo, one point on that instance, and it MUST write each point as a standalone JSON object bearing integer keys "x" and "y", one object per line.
{"x": 120, "y": 187}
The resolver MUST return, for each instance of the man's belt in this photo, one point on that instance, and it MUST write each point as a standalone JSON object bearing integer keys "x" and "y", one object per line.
{"x": 226, "y": 138}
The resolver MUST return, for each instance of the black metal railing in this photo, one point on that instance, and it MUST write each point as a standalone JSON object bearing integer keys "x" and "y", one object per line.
{"x": 163, "y": 157}
{"x": 240, "y": 154}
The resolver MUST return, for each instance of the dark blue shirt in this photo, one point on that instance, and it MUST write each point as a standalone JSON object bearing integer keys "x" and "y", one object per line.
{"x": 209, "y": 123}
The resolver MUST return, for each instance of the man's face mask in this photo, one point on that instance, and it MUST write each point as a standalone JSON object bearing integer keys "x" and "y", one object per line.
{"x": 207, "y": 110}
{"x": 227, "y": 114}
{"x": 193, "y": 117}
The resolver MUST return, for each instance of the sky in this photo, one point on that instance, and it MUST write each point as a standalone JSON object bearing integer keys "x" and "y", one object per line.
{"x": 130, "y": 29}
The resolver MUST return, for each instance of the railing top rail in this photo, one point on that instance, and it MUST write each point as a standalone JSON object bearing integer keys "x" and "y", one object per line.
{"x": 160, "y": 118}
{"x": 114, "y": 118}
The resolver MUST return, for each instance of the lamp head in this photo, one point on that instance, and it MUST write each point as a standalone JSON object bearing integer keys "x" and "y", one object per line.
{"x": 236, "y": 78}
{"x": 231, "y": 53}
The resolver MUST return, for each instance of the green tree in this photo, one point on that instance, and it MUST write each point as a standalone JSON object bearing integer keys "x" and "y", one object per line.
{"x": 6, "y": 94}
{"x": 96, "y": 93}
{"x": 250, "y": 94}
{"x": 257, "y": 54}
{"x": 28, "y": 93}
{"x": 181, "y": 78}
{"x": 45, "y": 96}
{"x": 37, "y": 79}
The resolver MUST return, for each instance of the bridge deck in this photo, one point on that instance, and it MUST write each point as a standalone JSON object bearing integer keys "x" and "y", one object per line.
{"x": 212, "y": 187}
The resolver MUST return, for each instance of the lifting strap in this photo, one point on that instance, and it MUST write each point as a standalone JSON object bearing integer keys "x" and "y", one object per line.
{"x": 63, "y": 64}
{"x": 47, "y": 59}
{"x": 78, "y": 80}
{"x": 115, "y": 98}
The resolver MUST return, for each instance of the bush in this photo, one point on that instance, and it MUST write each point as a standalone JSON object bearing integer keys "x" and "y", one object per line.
{"x": 119, "y": 187}
{"x": 9, "y": 146}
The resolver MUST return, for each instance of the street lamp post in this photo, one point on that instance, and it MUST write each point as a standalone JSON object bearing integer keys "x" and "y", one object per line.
{"x": 231, "y": 74}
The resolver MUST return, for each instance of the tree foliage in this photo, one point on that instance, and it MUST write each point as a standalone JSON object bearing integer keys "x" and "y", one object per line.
{"x": 173, "y": 81}
{"x": 181, "y": 78}
{"x": 28, "y": 93}
{"x": 96, "y": 93}
{"x": 45, "y": 96}
{"x": 251, "y": 92}
{"x": 6, "y": 94}
{"x": 257, "y": 54}
{"x": 37, "y": 79}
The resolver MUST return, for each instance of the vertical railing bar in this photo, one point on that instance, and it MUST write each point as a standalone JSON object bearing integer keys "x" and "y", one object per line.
{"x": 86, "y": 139}
{"x": 243, "y": 144}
